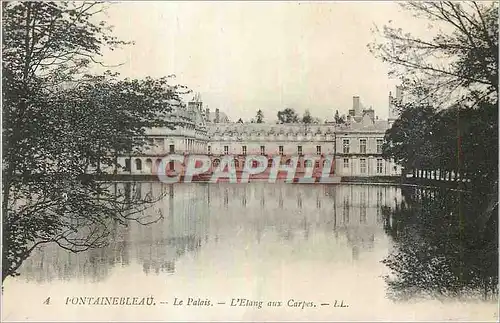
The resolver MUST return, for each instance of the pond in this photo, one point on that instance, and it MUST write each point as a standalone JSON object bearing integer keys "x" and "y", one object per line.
{"x": 263, "y": 251}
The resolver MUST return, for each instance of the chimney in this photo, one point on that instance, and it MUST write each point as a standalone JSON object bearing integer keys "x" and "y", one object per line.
{"x": 207, "y": 114}
{"x": 217, "y": 115}
{"x": 356, "y": 105}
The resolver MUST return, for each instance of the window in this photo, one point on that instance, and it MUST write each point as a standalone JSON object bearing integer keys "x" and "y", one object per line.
{"x": 379, "y": 145}
{"x": 299, "y": 150}
{"x": 280, "y": 150}
{"x": 270, "y": 163}
{"x": 226, "y": 150}
{"x": 308, "y": 163}
{"x": 216, "y": 162}
{"x": 149, "y": 164}
{"x": 316, "y": 164}
{"x": 244, "y": 150}
{"x": 171, "y": 149}
{"x": 127, "y": 164}
{"x": 318, "y": 150}
{"x": 171, "y": 165}
{"x": 236, "y": 163}
{"x": 262, "y": 150}
{"x": 138, "y": 164}
{"x": 209, "y": 150}
{"x": 346, "y": 162}
{"x": 362, "y": 146}
{"x": 345, "y": 146}
{"x": 379, "y": 166}
{"x": 255, "y": 164}
{"x": 362, "y": 166}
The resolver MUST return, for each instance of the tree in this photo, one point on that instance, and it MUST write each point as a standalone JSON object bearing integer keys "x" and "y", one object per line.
{"x": 307, "y": 117}
{"x": 455, "y": 70}
{"x": 60, "y": 123}
{"x": 288, "y": 116}
{"x": 407, "y": 141}
{"x": 260, "y": 117}
{"x": 439, "y": 68}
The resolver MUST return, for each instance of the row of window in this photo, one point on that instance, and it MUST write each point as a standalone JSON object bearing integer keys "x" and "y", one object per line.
{"x": 362, "y": 165}
{"x": 216, "y": 162}
{"x": 307, "y": 163}
{"x": 345, "y": 148}
{"x": 362, "y": 146}
{"x": 263, "y": 150}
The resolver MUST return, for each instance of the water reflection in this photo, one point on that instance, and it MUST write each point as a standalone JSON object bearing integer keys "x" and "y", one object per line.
{"x": 439, "y": 246}
{"x": 446, "y": 244}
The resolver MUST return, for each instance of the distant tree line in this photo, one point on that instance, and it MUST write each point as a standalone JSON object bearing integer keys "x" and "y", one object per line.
{"x": 289, "y": 115}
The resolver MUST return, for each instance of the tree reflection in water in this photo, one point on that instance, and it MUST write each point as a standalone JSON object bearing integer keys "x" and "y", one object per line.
{"x": 218, "y": 216}
{"x": 446, "y": 245}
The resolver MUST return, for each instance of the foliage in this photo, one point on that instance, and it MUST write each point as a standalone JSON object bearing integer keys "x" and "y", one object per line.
{"x": 259, "y": 117}
{"x": 456, "y": 62}
{"x": 409, "y": 137}
{"x": 59, "y": 123}
{"x": 463, "y": 139}
{"x": 307, "y": 117}
{"x": 288, "y": 115}
{"x": 449, "y": 119}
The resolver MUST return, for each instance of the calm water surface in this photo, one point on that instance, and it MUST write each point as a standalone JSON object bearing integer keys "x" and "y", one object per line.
{"x": 276, "y": 242}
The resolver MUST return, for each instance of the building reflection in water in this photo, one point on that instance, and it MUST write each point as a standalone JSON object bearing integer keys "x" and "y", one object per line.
{"x": 199, "y": 214}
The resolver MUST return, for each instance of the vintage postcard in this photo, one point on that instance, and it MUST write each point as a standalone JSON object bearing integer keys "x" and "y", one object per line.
{"x": 249, "y": 161}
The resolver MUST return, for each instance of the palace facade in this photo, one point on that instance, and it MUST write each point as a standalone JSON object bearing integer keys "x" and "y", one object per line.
{"x": 356, "y": 144}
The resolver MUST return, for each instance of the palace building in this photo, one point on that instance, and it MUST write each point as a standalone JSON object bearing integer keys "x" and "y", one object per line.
{"x": 356, "y": 144}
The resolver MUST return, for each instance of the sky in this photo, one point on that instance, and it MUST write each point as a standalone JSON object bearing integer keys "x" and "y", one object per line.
{"x": 246, "y": 56}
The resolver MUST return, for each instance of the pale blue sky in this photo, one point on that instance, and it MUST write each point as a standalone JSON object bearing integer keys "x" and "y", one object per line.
{"x": 245, "y": 56}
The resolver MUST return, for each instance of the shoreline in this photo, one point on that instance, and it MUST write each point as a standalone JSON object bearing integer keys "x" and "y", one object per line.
{"x": 337, "y": 180}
